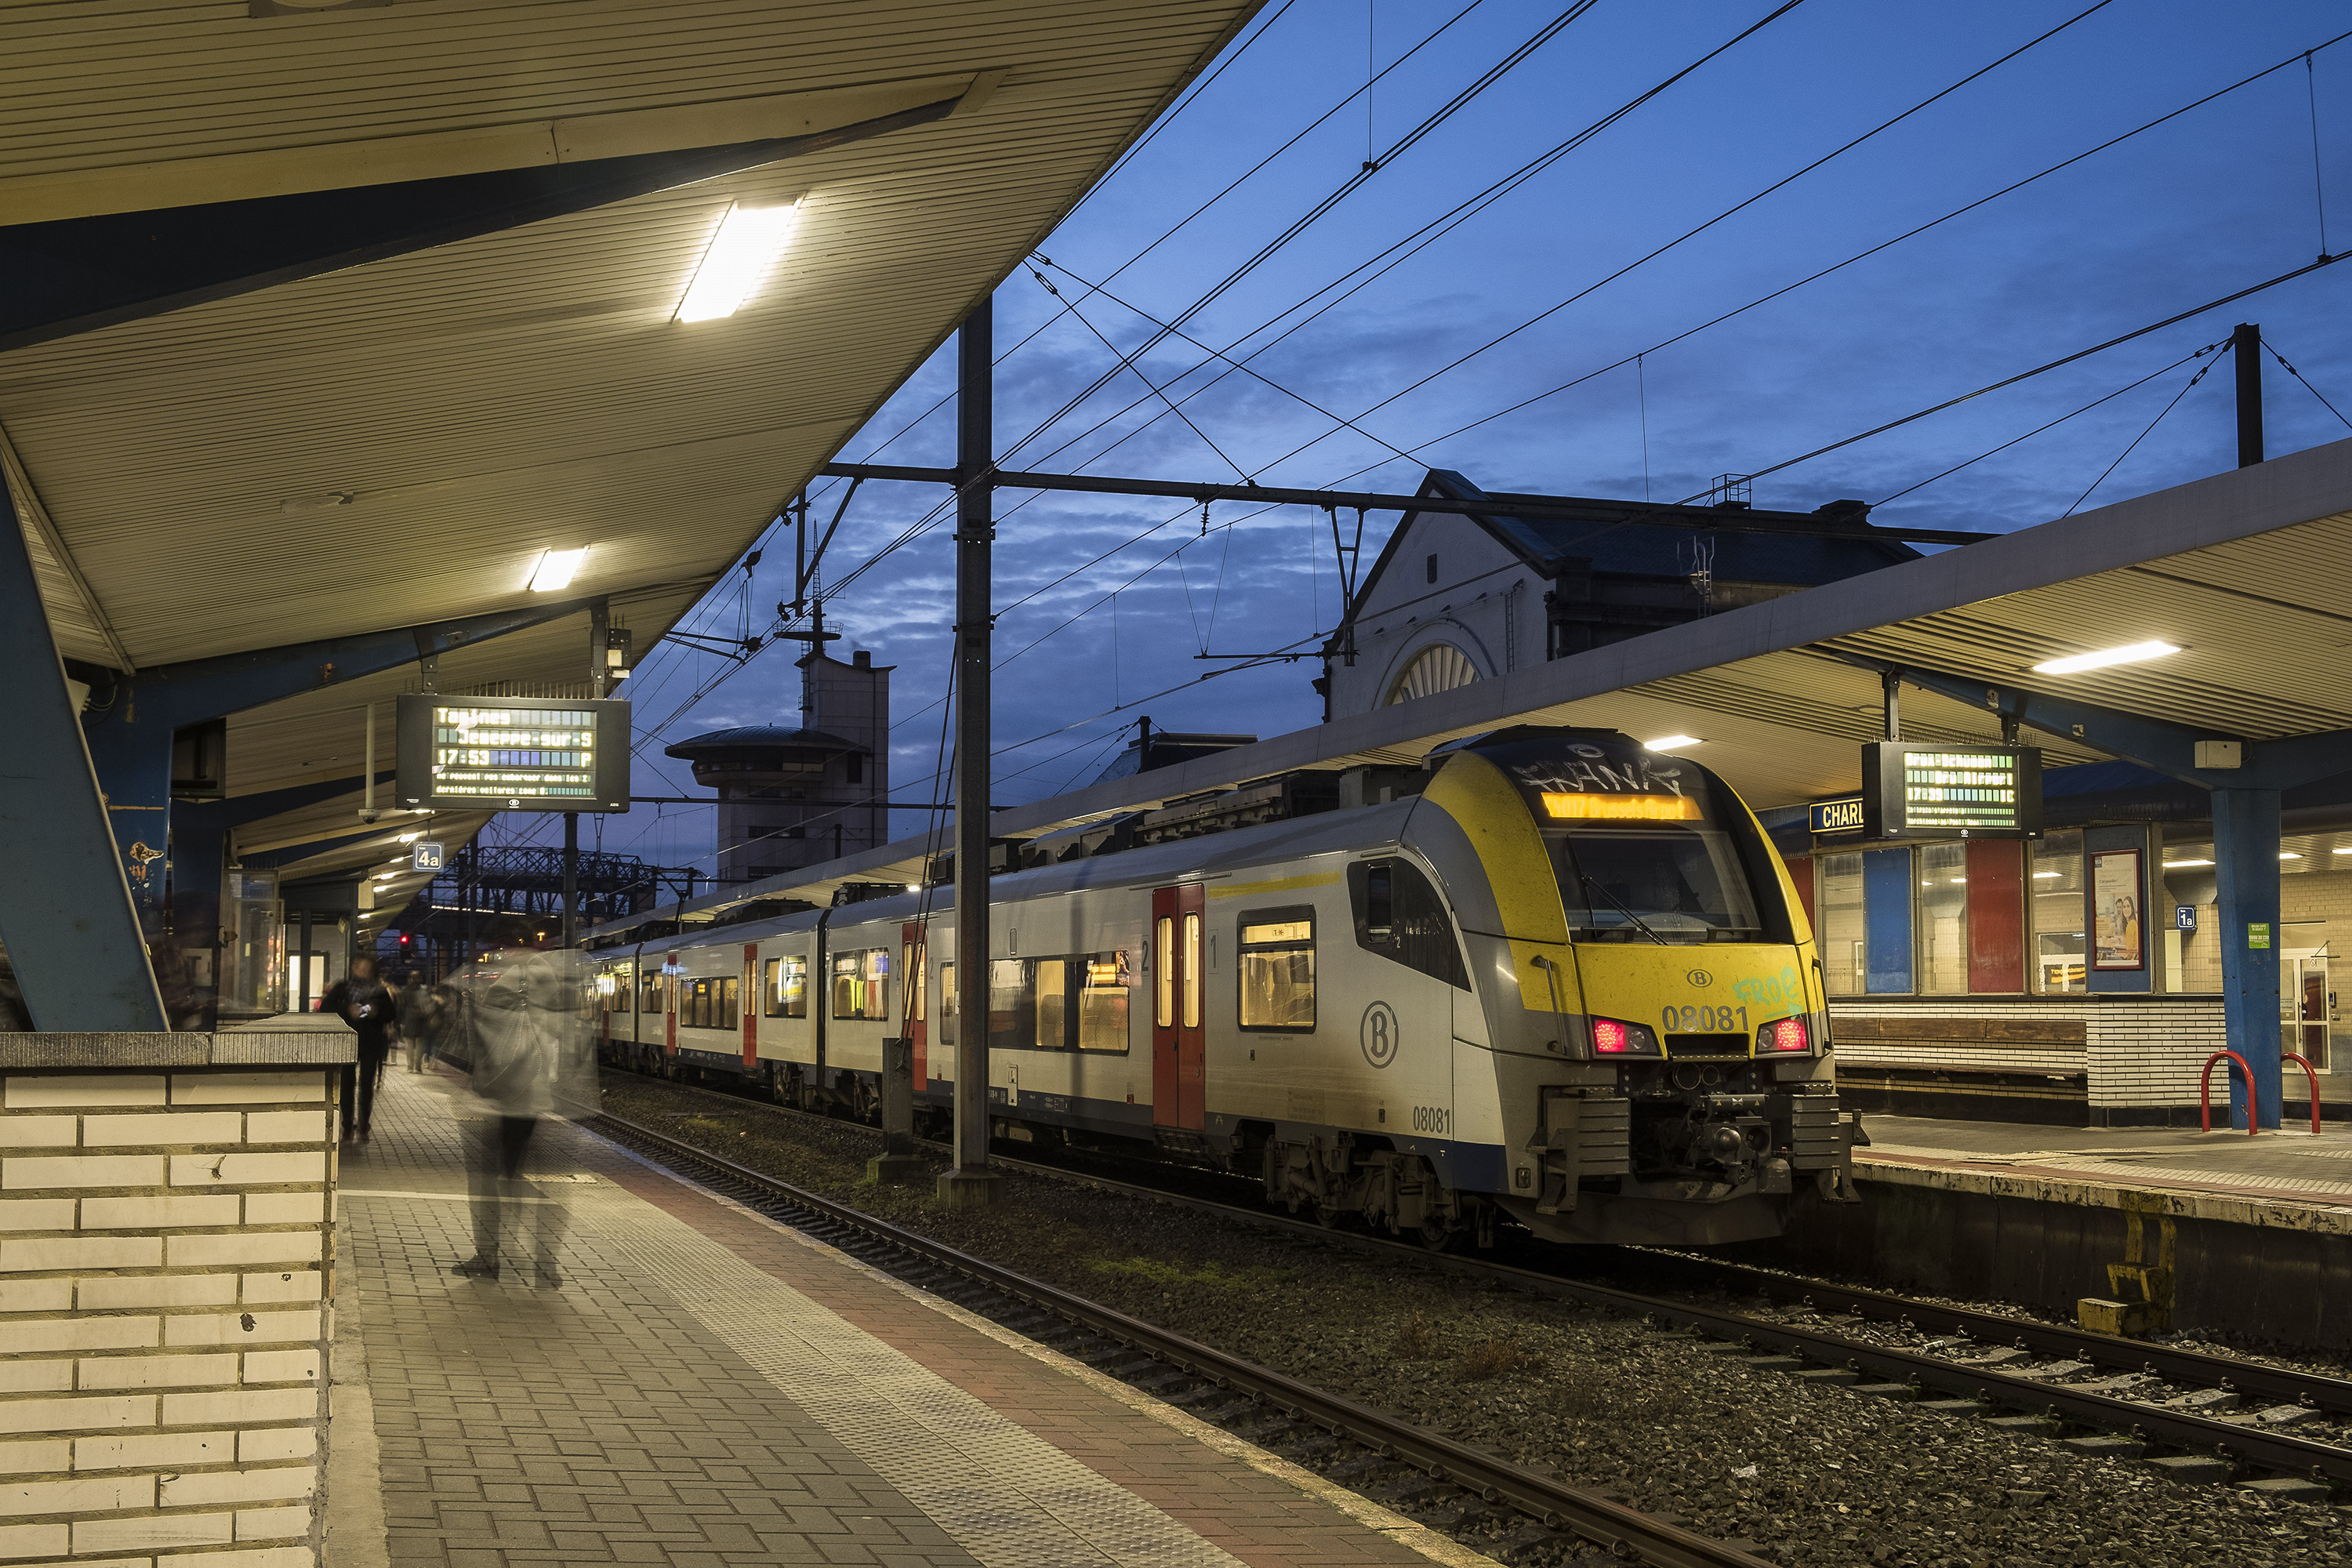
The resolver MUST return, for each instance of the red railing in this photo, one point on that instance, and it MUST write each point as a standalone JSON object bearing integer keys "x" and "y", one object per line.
{"x": 2309, "y": 1073}
{"x": 2205, "y": 1091}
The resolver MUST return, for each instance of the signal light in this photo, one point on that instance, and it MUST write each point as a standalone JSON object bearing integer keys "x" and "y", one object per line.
{"x": 1783, "y": 1034}
{"x": 1611, "y": 1038}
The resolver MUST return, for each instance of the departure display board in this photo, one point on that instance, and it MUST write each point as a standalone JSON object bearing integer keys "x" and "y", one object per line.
{"x": 1929, "y": 789}
{"x": 514, "y": 753}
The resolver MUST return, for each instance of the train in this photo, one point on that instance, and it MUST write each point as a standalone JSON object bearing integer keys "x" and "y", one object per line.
{"x": 1548, "y": 979}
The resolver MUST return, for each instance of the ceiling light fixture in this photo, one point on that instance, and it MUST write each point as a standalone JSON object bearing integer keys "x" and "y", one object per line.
{"x": 2130, "y": 653}
{"x": 2042, "y": 876}
{"x": 2178, "y": 865}
{"x": 411, "y": 837}
{"x": 551, "y": 573}
{"x": 1669, "y": 742}
{"x": 747, "y": 242}
{"x": 2289, "y": 855}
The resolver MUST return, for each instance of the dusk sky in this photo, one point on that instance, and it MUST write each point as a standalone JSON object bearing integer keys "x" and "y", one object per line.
{"x": 2219, "y": 199}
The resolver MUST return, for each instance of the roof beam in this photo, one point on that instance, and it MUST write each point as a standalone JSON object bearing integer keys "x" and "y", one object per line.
{"x": 2167, "y": 748}
{"x": 73, "y": 275}
{"x": 1564, "y": 506}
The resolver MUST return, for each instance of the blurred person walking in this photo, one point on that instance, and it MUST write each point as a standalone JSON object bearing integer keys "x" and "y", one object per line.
{"x": 361, "y": 1000}
{"x": 534, "y": 1057}
{"x": 414, "y": 1008}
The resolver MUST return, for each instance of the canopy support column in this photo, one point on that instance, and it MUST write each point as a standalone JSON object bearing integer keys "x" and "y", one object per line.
{"x": 971, "y": 1182}
{"x": 2246, "y": 863}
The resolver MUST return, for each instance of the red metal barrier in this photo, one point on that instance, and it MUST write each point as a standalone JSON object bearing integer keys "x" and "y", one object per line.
{"x": 2205, "y": 1091}
{"x": 2313, "y": 1076}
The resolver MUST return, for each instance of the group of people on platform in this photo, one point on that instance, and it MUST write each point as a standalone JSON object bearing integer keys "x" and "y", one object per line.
{"x": 423, "y": 1018}
{"x": 522, "y": 1034}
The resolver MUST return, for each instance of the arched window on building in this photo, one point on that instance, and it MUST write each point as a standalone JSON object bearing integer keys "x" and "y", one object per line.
{"x": 1441, "y": 667}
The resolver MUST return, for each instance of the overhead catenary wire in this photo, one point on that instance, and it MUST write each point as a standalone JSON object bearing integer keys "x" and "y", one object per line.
{"x": 2050, "y": 425}
{"x": 2136, "y": 440}
{"x": 2306, "y": 385}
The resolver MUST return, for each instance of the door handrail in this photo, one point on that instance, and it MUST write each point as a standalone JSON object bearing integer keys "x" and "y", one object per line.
{"x": 2205, "y": 1091}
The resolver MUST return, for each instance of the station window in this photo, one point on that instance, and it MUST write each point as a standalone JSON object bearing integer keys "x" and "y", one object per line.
{"x": 787, "y": 987}
{"x": 1844, "y": 939}
{"x": 861, "y": 983}
{"x": 1276, "y": 969}
{"x": 2055, "y": 884}
{"x": 1943, "y": 920}
{"x": 1399, "y": 916}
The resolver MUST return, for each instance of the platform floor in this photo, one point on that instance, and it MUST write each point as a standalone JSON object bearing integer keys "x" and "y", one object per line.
{"x": 2291, "y": 1165}
{"x": 706, "y": 1387}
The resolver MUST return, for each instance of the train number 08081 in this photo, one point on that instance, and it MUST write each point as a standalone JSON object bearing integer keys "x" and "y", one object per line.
{"x": 1705, "y": 1020}
{"x": 1432, "y": 1118}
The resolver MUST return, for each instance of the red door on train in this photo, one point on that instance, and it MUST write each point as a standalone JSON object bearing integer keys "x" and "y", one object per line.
{"x": 1178, "y": 1039}
{"x": 911, "y": 967}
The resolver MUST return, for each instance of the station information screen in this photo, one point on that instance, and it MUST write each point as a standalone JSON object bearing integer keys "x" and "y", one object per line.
{"x": 514, "y": 753}
{"x": 1930, "y": 789}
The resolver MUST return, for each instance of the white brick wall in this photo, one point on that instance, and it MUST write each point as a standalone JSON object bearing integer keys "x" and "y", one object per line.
{"x": 163, "y": 1257}
{"x": 2137, "y": 1051}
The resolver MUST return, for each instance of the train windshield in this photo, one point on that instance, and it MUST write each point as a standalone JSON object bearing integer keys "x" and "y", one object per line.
{"x": 1647, "y": 847}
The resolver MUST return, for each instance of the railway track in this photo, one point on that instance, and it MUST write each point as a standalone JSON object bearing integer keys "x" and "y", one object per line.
{"x": 2199, "y": 1418}
{"x": 1387, "y": 1459}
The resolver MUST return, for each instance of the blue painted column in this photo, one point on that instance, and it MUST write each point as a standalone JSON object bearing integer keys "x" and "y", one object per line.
{"x": 1887, "y": 899}
{"x": 2245, "y": 856}
{"x": 132, "y": 753}
{"x": 66, "y": 914}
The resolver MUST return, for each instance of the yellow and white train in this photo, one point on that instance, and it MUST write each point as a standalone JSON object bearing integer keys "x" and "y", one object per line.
{"x": 1554, "y": 978}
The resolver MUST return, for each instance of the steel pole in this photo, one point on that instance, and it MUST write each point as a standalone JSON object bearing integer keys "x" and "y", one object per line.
{"x": 2246, "y": 343}
{"x": 971, "y": 1182}
{"x": 571, "y": 876}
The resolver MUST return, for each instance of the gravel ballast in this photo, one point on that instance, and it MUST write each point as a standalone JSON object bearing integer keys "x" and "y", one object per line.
{"x": 1808, "y": 1473}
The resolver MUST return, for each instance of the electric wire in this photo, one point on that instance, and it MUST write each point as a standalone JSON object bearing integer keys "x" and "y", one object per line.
{"x": 2136, "y": 440}
{"x": 2306, "y": 385}
{"x": 2038, "y": 429}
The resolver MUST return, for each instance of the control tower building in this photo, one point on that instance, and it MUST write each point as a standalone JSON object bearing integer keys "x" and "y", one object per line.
{"x": 795, "y": 796}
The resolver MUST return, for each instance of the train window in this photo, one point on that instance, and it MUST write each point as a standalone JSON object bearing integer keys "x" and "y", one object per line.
{"x": 649, "y": 992}
{"x": 694, "y": 1011}
{"x": 1012, "y": 1004}
{"x": 861, "y": 983}
{"x": 1163, "y": 973}
{"x": 1276, "y": 969}
{"x": 1193, "y": 972}
{"x": 1399, "y": 916}
{"x": 787, "y": 987}
{"x": 947, "y": 1004}
{"x": 1054, "y": 1018}
{"x": 1102, "y": 1001}
{"x": 910, "y": 965}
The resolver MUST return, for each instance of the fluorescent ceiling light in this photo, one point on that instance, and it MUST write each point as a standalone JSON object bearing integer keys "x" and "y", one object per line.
{"x": 2289, "y": 855}
{"x": 2346, "y": 850}
{"x": 551, "y": 573}
{"x": 747, "y": 241}
{"x": 2130, "y": 653}
{"x": 2176, "y": 865}
{"x": 2039, "y": 876}
{"x": 411, "y": 837}
{"x": 1669, "y": 742}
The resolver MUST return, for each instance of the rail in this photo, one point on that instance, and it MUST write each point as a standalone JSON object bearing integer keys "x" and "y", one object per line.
{"x": 2266, "y": 1448}
{"x": 1614, "y": 1528}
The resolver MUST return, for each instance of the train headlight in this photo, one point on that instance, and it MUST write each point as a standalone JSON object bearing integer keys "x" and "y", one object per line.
{"x": 1781, "y": 1036}
{"x": 1613, "y": 1037}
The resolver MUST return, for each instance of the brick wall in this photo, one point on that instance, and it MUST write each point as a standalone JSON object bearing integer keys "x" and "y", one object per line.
{"x": 164, "y": 1244}
{"x": 2137, "y": 1051}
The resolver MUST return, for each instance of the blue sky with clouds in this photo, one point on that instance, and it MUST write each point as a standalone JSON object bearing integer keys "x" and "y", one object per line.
{"x": 2213, "y": 201}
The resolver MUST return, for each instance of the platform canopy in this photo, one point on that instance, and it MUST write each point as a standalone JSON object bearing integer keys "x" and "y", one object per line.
{"x": 328, "y": 318}
{"x": 2249, "y": 573}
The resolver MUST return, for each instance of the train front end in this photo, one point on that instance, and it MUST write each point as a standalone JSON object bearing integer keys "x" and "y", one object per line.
{"x": 1652, "y": 994}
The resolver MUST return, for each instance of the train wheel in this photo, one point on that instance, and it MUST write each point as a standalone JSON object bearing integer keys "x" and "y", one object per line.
{"x": 1330, "y": 1218}
{"x": 1438, "y": 1233}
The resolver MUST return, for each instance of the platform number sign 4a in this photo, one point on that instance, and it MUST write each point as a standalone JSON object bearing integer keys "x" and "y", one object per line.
{"x": 426, "y": 855}
{"x": 1378, "y": 1034}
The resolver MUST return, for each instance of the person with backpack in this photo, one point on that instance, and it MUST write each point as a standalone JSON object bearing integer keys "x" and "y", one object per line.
{"x": 361, "y": 1000}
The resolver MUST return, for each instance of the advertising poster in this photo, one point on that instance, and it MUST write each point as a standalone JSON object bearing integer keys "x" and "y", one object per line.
{"x": 2117, "y": 939}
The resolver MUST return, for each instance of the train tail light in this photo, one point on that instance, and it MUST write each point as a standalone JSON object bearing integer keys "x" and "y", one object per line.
{"x": 1783, "y": 1036}
{"x": 1612, "y": 1037}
